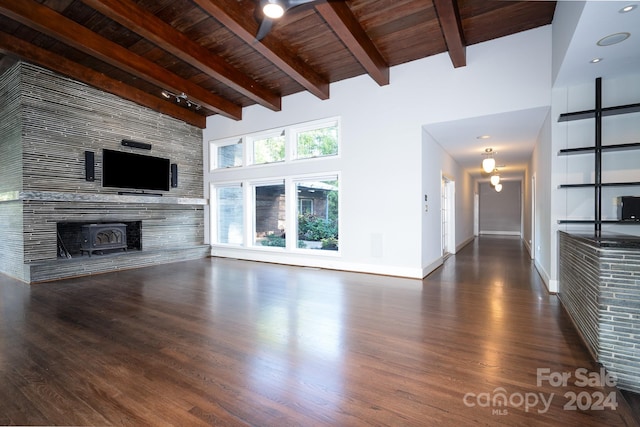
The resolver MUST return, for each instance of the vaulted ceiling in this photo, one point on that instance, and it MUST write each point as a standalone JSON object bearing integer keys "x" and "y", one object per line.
{"x": 204, "y": 53}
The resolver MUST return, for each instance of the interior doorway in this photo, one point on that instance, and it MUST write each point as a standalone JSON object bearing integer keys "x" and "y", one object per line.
{"x": 448, "y": 217}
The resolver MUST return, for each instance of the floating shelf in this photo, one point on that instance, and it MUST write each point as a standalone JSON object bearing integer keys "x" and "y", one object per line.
{"x": 591, "y": 221}
{"x": 597, "y": 114}
{"x": 590, "y": 114}
{"x": 608, "y": 148}
{"x": 604, "y": 184}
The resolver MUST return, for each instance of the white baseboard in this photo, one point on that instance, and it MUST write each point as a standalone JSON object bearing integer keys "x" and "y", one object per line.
{"x": 500, "y": 233}
{"x": 465, "y": 243}
{"x": 552, "y": 285}
{"x": 431, "y": 267}
{"x": 329, "y": 261}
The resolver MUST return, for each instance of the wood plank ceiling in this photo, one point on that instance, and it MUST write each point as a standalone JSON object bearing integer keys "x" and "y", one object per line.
{"x": 206, "y": 49}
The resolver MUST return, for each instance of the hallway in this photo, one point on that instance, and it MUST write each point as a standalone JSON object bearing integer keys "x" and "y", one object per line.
{"x": 232, "y": 343}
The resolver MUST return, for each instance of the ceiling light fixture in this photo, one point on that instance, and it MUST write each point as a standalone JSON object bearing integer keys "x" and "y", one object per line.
{"x": 489, "y": 163}
{"x": 495, "y": 178}
{"x": 498, "y": 188}
{"x": 612, "y": 39}
{"x": 595, "y": 60}
{"x": 180, "y": 98}
{"x": 273, "y": 9}
{"x": 628, "y": 8}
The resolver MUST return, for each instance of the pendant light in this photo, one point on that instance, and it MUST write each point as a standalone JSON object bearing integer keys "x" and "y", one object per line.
{"x": 489, "y": 163}
{"x": 495, "y": 178}
{"x": 498, "y": 187}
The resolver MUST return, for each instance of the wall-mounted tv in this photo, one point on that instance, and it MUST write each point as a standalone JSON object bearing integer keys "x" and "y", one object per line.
{"x": 136, "y": 171}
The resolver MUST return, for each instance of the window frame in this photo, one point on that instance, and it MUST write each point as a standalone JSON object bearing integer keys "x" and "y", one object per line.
{"x": 251, "y": 237}
{"x": 214, "y": 232}
{"x": 250, "y": 146}
{"x": 311, "y": 126}
{"x": 293, "y": 225}
{"x": 214, "y": 160}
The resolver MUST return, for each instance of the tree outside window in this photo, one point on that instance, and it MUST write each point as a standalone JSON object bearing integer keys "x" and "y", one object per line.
{"x": 317, "y": 142}
{"x": 268, "y": 150}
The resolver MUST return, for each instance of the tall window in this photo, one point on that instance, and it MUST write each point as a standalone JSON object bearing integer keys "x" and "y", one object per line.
{"x": 230, "y": 215}
{"x": 317, "y": 141}
{"x": 270, "y": 215}
{"x": 318, "y": 213}
{"x": 276, "y": 205}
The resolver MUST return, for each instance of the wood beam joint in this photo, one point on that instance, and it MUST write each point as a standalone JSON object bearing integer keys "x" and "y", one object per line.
{"x": 451, "y": 25}
{"x": 345, "y": 25}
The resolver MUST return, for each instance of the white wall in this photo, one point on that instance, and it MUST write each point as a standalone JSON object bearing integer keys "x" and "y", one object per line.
{"x": 501, "y": 213}
{"x": 436, "y": 163}
{"x": 387, "y": 165}
{"x": 540, "y": 167}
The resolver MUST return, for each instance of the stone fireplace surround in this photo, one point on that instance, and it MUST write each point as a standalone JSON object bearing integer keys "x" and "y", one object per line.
{"x": 49, "y": 122}
{"x": 170, "y": 227}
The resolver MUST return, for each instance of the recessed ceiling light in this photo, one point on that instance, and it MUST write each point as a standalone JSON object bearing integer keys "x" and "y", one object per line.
{"x": 595, "y": 60}
{"x": 483, "y": 137}
{"x": 628, "y": 8}
{"x": 613, "y": 39}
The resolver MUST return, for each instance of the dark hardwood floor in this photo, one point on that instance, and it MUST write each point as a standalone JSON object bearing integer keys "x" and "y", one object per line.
{"x": 227, "y": 343}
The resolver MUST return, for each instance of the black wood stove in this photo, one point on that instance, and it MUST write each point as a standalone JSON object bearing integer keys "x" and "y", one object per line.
{"x": 100, "y": 237}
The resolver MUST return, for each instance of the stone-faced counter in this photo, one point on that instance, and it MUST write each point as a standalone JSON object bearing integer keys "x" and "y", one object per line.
{"x": 600, "y": 288}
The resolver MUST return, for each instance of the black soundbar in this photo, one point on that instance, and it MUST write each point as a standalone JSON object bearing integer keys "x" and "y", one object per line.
{"x": 136, "y": 144}
{"x": 135, "y": 193}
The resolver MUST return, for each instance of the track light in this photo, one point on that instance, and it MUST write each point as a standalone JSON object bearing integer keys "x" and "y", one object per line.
{"x": 489, "y": 163}
{"x": 273, "y": 9}
{"x": 179, "y": 98}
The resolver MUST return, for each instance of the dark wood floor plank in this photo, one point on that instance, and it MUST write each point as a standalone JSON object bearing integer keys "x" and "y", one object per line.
{"x": 233, "y": 343}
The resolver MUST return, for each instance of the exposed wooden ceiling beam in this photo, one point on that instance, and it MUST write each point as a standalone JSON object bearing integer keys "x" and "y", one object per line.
{"x": 13, "y": 46}
{"x": 242, "y": 24}
{"x": 53, "y": 24}
{"x": 166, "y": 37}
{"x": 340, "y": 18}
{"x": 449, "y": 17}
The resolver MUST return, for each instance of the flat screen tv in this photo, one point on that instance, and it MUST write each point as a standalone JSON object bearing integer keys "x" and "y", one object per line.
{"x": 136, "y": 171}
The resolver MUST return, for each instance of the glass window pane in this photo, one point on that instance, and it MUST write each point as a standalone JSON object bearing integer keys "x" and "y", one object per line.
{"x": 230, "y": 156}
{"x": 268, "y": 150}
{"x": 317, "y": 142}
{"x": 318, "y": 214}
{"x": 230, "y": 215}
{"x": 270, "y": 215}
